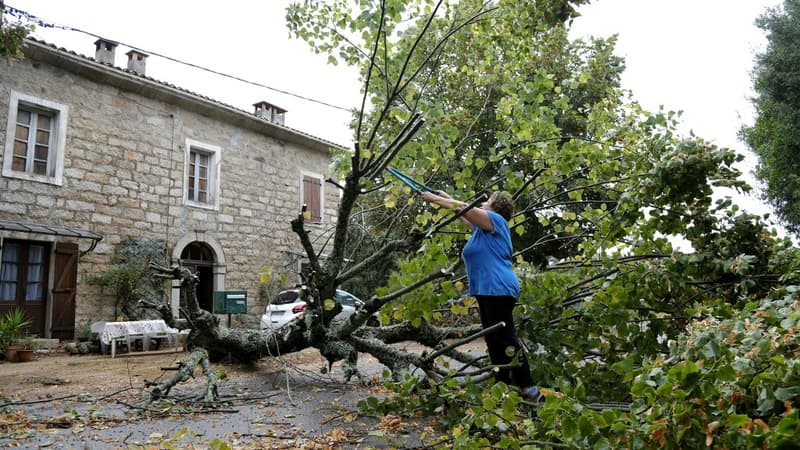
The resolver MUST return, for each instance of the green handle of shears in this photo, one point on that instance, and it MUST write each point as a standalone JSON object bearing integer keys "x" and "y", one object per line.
{"x": 415, "y": 185}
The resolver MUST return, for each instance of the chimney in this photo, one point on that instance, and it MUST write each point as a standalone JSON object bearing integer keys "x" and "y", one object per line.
{"x": 104, "y": 51}
{"x": 270, "y": 112}
{"x": 136, "y": 61}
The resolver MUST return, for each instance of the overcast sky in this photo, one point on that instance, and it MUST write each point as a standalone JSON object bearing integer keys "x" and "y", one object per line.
{"x": 694, "y": 56}
{"x": 243, "y": 38}
{"x": 690, "y": 55}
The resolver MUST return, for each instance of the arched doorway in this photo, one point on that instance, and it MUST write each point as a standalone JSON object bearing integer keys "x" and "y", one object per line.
{"x": 200, "y": 251}
{"x": 199, "y": 257}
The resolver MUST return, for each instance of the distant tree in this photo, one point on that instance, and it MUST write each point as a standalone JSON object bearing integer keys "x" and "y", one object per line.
{"x": 775, "y": 135}
{"x": 12, "y": 35}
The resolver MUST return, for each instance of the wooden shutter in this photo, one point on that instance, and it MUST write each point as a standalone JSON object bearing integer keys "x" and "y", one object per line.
{"x": 312, "y": 197}
{"x": 64, "y": 290}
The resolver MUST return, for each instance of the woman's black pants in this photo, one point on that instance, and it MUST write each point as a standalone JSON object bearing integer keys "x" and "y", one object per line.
{"x": 502, "y": 343}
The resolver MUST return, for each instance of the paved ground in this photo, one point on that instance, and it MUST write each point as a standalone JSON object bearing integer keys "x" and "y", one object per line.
{"x": 94, "y": 401}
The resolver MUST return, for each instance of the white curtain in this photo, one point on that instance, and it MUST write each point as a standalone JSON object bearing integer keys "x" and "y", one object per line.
{"x": 35, "y": 288}
{"x": 8, "y": 272}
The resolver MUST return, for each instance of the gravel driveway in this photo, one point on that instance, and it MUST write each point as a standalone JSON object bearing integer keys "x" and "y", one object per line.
{"x": 94, "y": 401}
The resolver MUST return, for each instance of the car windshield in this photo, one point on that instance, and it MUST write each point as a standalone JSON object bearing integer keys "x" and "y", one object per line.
{"x": 346, "y": 298}
{"x": 285, "y": 297}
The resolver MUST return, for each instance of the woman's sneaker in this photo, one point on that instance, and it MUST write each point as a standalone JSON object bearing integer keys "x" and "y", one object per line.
{"x": 533, "y": 395}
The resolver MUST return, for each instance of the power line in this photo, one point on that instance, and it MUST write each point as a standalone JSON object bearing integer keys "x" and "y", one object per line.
{"x": 20, "y": 14}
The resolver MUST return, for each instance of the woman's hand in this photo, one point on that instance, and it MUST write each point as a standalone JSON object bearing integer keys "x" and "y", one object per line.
{"x": 429, "y": 197}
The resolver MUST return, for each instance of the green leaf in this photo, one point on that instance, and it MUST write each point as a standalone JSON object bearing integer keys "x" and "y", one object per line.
{"x": 726, "y": 373}
{"x": 738, "y": 420}
{"x": 787, "y": 393}
{"x": 624, "y": 368}
{"x": 790, "y": 425}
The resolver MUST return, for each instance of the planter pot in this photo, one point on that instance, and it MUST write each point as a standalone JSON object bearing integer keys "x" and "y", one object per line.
{"x": 25, "y": 355}
{"x": 11, "y": 352}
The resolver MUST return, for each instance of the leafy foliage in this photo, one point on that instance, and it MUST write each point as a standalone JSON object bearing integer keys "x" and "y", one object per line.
{"x": 732, "y": 383}
{"x": 775, "y": 134}
{"x": 12, "y": 36}
{"x": 722, "y": 382}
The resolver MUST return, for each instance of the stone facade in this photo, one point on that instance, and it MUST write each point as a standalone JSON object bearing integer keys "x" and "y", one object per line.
{"x": 125, "y": 171}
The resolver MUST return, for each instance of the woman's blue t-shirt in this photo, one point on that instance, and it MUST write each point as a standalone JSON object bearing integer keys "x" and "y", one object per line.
{"x": 487, "y": 257}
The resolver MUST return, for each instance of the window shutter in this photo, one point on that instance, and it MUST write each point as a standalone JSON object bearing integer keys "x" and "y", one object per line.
{"x": 312, "y": 188}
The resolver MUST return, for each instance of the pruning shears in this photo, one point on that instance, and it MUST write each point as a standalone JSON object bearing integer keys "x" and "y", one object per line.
{"x": 415, "y": 185}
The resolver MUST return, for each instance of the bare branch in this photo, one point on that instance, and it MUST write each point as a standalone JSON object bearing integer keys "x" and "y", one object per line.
{"x": 466, "y": 340}
{"x": 408, "y": 131}
{"x": 298, "y": 226}
{"x": 400, "y": 244}
{"x": 366, "y": 85}
{"x": 335, "y": 183}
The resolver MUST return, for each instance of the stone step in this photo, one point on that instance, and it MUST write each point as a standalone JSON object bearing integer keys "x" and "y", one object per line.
{"x": 45, "y": 344}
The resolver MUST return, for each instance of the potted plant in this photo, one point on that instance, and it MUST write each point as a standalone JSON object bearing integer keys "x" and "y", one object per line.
{"x": 12, "y": 324}
{"x": 27, "y": 347}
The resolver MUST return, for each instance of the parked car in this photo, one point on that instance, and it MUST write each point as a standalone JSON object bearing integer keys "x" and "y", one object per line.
{"x": 287, "y": 305}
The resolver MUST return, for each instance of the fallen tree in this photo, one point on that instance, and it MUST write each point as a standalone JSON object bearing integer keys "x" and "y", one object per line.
{"x": 336, "y": 340}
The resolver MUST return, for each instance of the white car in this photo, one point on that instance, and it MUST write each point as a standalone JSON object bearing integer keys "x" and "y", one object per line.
{"x": 287, "y": 305}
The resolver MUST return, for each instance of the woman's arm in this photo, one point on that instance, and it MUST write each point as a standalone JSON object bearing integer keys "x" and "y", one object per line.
{"x": 475, "y": 217}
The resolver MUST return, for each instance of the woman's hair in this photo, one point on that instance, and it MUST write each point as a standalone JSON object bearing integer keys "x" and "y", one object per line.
{"x": 503, "y": 204}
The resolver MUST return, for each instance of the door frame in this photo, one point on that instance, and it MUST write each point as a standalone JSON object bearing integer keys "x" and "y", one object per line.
{"x": 219, "y": 266}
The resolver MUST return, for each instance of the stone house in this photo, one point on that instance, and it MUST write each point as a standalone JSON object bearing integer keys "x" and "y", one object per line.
{"x": 93, "y": 153}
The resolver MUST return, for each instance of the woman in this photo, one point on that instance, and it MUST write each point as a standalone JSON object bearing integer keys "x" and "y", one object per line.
{"x": 492, "y": 281}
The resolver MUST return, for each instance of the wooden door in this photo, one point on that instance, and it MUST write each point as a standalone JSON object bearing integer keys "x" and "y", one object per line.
{"x": 64, "y": 290}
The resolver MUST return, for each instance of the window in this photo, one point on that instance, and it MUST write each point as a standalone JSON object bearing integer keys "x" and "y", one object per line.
{"x": 22, "y": 272}
{"x": 35, "y": 139}
{"x": 311, "y": 195}
{"x": 198, "y": 176}
{"x": 198, "y": 252}
{"x": 202, "y": 175}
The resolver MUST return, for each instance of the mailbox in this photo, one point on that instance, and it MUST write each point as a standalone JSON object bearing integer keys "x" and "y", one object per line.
{"x": 230, "y": 302}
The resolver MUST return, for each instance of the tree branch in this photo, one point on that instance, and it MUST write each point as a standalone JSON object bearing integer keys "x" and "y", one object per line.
{"x": 375, "y": 303}
{"x": 400, "y": 244}
{"x": 298, "y": 226}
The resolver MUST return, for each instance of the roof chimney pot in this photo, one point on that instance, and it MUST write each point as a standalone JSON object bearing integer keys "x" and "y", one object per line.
{"x": 104, "y": 51}
{"x": 270, "y": 112}
{"x": 137, "y": 61}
